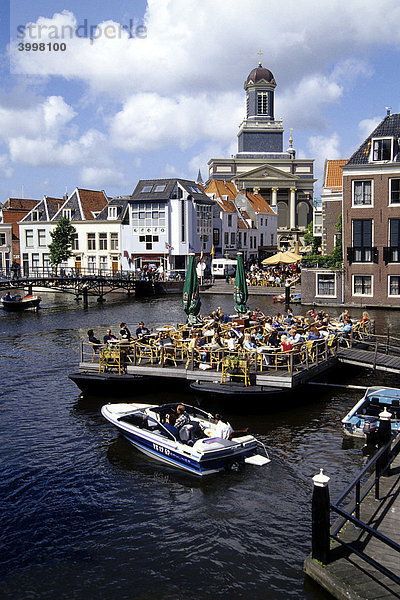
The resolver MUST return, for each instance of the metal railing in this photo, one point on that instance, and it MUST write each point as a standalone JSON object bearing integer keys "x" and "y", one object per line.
{"x": 367, "y": 480}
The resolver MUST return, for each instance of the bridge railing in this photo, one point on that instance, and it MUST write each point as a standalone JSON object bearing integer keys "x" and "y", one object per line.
{"x": 75, "y": 273}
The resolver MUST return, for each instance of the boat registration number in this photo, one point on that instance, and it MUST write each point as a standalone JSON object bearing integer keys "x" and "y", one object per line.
{"x": 161, "y": 449}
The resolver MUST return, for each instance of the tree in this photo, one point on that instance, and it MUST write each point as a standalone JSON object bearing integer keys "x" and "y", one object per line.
{"x": 60, "y": 247}
{"x": 311, "y": 239}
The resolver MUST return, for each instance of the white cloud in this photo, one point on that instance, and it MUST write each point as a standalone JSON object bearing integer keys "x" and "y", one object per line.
{"x": 149, "y": 121}
{"x": 95, "y": 177}
{"x": 5, "y": 170}
{"x": 367, "y": 126}
{"x": 322, "y": 148}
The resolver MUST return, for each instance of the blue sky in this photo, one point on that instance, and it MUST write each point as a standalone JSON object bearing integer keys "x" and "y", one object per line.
{"x": 109, "y": 111}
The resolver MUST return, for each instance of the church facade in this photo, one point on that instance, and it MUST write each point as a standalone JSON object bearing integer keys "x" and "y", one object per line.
{"x": 262, "y": 166}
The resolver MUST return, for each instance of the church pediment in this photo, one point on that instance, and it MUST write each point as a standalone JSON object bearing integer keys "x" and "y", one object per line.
{"x": 266, "y": 172}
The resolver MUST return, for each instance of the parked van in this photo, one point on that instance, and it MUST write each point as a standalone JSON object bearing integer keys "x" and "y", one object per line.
{"x": 219, "y": 265}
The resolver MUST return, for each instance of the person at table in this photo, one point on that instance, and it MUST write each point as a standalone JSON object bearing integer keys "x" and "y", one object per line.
{"x": 313, "y": 334}
{"x": 109, "y": 337}
{"x": 216, "y": 342}
{"x": 286, "y": 346}
{"x": 93, "y": 340}
{"x": 169, "y": 425}
{"x": 142, "y": 331}
{"x": 294, "y": 336}
{"x": 124, "y": 333}
{"x": 248, "y": 344}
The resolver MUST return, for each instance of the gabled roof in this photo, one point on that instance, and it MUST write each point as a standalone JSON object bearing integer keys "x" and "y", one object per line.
{"x": 224, "y": 193}
{"x": 259, "y": 203}
{"x": 19, "y": 204}
{"x": 165, "y": 189}
{"x": 389, "y": 127}
{"x": 84, "y": 204}
{"x": 333, "y": 174}
{"x": 45, "y": 210}
{"x": 120, "y": 203}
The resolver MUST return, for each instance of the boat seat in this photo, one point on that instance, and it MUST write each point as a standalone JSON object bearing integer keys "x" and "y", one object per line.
{"x": 185, "y": 432}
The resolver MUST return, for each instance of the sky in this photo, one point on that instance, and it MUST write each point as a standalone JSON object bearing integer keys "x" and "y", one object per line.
{"x": 129, "y": 90}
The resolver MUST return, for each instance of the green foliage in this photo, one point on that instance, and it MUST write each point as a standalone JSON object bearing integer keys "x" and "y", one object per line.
{"x": 60, "y": 247}
{"x": 334, "y": 260}
{"x": 311, "y": 239}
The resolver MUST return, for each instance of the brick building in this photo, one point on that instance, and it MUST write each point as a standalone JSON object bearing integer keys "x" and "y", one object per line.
{"x": 331, "y": 202}
{"x": 371, "y": 218}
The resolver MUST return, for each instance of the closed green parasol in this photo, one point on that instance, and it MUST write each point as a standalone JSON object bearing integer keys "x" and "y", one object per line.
{"x": 240, "y": 293}
{"x": 191, "y": 299}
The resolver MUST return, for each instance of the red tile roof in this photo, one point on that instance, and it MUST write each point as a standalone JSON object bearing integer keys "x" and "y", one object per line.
{"x": 333, "y": 175}
{"x": 92, "y": 201}
{"x": 224, "y": 192}
{"x": 259, "y": 203}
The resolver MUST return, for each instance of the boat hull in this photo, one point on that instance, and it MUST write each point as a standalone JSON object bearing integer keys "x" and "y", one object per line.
{"x": 108, "y": 384}
{"x": 19, "y": 305}
{"x": 205, "y": 457}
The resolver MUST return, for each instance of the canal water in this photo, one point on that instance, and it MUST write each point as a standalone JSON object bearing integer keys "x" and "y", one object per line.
{"x": 83, "y": 515}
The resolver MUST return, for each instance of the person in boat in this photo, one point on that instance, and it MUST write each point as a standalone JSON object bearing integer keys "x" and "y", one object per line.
{"x": 225, "y": 430}
{"x": 8, "y": 296}
{"x": 169, "y": 425}
{"x": 142, "y": 331}
{"x": 109, "y": 337}
{"x": 124, "y": 333}
{"x": 92, "y": 339}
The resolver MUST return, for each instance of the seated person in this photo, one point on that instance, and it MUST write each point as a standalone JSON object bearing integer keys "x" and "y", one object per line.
{"x": 142, "y": 331}
{"x": 169, "y": 425}
{"x": 93, "y": 340}
{"x": 109, "y": 337}
{"x": 286, "y": 346}
{"x": 223, "y": 429}
{"x": 124, "y": 333}
{"x": 249, "y": 344}
{"x": 184, "y": 419}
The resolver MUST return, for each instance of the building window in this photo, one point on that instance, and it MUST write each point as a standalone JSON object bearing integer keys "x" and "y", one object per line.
{"x": 394, "y": 194}
{"x": 362, "y": 285}
{"x": 42, "y": 237}
{"x": 113, "y": 241}
{"x": 229, "y": 220}
{"x": 35, "y": 215}
{"x": 112, "y": 212}
{"x": 261, "y": 222}
{"x": 160, "y": 188}
{"x": 67, "y": 213}
{"x": 261, "y": 239}
{"x": 91, "y": 264}
{"x": 216, "y": 236}
{"x": 46, "y": 261}
{"x": 232, "y": 239}
{"x": 149, "y": 240}
{"x": 362, "y": 193}
{"x": 394, "y": 285}
{"x": 2, "y": 239}
{"x": 382, "y": 149}
{"x": 91, "y": 241}
{"x": 103, "y": 263}
{"x": 29, "y": 238}
{"x": 272, "y": 239}
{"x": 102, "y": 241}
{"x": 262, "y": 103}
{"x": 326, "y": 284}
{"x": 146, "y": 189}
{"x": 75, "y": 242}
{"x": 245, "y": 238}
{"x": 362, "y": 240}
{"x": 226, "y": 238}
{"x": 35, "y": 262}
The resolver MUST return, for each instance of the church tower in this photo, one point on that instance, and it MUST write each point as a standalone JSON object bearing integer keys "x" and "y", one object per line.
{"x": 260, "y": 136}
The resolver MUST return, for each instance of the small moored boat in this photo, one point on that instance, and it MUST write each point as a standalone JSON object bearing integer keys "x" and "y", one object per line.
{"x": 363, "y": 419}
{"x": 20, "y": 303}
{"x": 200, "y": 453}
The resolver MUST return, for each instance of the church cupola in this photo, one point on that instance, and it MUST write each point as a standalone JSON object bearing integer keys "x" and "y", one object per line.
{"x": 259, "y": 86}
{"x": 259, "y": 133}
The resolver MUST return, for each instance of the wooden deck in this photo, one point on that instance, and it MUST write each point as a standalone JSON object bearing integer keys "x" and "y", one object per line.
{"x": 370, "y": 359}
{"x": 347, "y": 576}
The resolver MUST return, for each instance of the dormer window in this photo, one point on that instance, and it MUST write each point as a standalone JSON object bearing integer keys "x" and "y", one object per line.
{"x": 160, "y": 188}
{"x": 112, "y": 212}
{"x": 146, "y": 189}
{"x": 35, "y": 215}
{"x": 67, "y": 213}
{"x": 382, "y": 149}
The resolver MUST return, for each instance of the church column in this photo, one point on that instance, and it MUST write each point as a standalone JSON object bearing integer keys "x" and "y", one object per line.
{"x": 292, "y": 208}
{"x": 274, "y": 196}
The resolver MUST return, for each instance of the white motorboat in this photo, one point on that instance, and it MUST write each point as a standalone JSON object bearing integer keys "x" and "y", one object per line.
{"x": 363, "y": 419}
{"x": 196, "y": 449}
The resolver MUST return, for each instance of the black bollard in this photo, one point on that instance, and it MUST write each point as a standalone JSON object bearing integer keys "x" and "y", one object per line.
{"x": 384, "y": 435}
{"x": 85, "y": 296}
{"x": 287, "y": 296}
{"x": 320, "y": 518}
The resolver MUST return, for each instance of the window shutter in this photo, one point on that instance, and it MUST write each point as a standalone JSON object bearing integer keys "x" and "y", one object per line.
{"x": 394, "y": 233}
{"x": 357, "y": 233}
{"x": 367, "y": 233}
{"x": 350, "y": 255}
